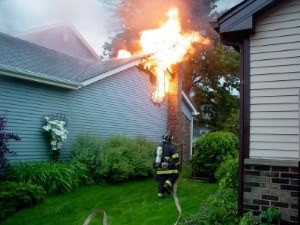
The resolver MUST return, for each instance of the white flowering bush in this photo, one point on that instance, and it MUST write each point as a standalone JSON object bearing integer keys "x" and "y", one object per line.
{"x": 58, "y": 134}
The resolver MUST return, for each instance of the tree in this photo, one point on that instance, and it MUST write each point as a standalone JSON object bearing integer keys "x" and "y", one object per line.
{"x": 213, "y": 77}
{"x": 136, "y": 16}
{"x": 211, "y": 73}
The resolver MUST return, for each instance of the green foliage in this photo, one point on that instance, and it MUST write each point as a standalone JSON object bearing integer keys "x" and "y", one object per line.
{"x": 130, "y": 203}
{"x": 53, "y": 177}
{"x": 227, "y": 173}
{"x": 270, "y": 216}
{"x": 15, "y": 196}
{"x": 247, "y": 219}
{"x": 214, "y": 78}
{"x": 4, "y": 138}
{"x": 85, "y": 150}
{"x": 122, "y": 158}
{"x": 211, "y": 149}
{"x": 220, "y": 209}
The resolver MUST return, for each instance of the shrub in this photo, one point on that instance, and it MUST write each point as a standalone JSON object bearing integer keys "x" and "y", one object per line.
{"x": 123, "y": 158}
{"x": 86, "y": 150}
{"x": 270, "y": 216}
{"x": 53, "y": 177}
{"x": 247, "y": 219}
{"x": 211, "y": 149}
{"x": 220, "y": 209}
{"x": 227, "y": 173}
{"x": 15, "y": 196}
{"x": 4, "y": 138}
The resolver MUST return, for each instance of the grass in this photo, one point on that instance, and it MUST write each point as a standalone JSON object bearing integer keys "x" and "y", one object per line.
{"x": 131, "y": 203}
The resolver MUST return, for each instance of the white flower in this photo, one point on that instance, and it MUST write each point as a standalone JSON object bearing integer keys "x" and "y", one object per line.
{"x": 58, "y": 132}
{"x": 46, "y": 128}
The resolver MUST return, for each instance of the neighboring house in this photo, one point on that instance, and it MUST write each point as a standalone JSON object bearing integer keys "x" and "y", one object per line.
{"x": 103, "y": 98}
{"x": 62, "y": 37}
{"x": 267, "y": 34}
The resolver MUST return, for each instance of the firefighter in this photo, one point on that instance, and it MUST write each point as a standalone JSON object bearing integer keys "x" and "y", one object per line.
{"x": 166, "y": 164}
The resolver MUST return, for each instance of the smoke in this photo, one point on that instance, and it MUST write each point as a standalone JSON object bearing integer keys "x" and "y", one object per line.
{"x": 92, "y": 18}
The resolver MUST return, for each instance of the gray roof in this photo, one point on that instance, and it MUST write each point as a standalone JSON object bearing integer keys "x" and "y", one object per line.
{"x": 17, "y": 54}
{"x": 63, "y": 38}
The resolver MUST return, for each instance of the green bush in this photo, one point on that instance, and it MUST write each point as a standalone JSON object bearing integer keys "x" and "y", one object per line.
{"x": 15, "y": 196}
{"x": 220, "y": 209}
{"x": 53, "y": 177}
{"x": 227, "y": 173}
{"x": 123, "y": 158}
{"x": 247, "y": 219}
{"x": 270, "y": 216}
{"x": 211, "y": 149}
{"x": 86, "y": 150}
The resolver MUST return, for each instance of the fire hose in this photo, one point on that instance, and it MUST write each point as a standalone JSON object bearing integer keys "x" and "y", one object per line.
{"x": 104, "y": 221}
{"x": 95, "y": 213}
{"x": 176, "y": 202}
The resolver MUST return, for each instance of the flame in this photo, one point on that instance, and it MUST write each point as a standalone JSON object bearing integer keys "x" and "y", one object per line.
{"x": 123, "y": 54}
{"x": 168, "y": 46}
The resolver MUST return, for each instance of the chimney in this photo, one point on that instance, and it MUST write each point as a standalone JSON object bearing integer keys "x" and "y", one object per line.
{"x": 175, "y": 120}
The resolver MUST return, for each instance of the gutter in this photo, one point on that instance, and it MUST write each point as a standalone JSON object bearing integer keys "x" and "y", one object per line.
{"x": 110, "y": 72}
{"x": 187, "y": 100}
{"x": 194, "y": 113}
{"x": 39, "y": 77}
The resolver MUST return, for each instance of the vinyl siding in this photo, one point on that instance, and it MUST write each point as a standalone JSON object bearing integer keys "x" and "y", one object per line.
{"x": 275, "y": 83}
{"x": 119, "y": 104}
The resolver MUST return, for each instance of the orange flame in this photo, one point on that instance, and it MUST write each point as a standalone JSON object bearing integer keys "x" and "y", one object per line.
{"x": 123, "y": 54}
{"x": 168, "y": 46}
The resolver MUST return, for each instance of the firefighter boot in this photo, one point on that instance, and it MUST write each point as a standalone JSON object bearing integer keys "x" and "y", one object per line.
{"x": 167, "y": 187}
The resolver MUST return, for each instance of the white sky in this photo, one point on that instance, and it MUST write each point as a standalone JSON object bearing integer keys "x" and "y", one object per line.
{"x": 227, "y": 4}
{"x": 91, "y": 18}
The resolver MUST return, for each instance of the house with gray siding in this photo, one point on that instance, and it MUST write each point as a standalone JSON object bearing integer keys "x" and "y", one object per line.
{"x": 103, "y": 98}
{"x": 267, "y": 35}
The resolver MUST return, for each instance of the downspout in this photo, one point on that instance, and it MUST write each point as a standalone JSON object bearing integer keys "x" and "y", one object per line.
{"x": 191, "y": 137}
{"x": 244, "y": 120}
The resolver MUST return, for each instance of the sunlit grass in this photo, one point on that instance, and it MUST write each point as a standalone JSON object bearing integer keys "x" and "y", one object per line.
{"x": 131, "y": 203}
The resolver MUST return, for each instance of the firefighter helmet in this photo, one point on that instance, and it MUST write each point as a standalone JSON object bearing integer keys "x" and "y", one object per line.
{"x": 167, "y": 136}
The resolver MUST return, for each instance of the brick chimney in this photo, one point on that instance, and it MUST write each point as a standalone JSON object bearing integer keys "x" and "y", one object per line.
{"x": 175, "y": 115}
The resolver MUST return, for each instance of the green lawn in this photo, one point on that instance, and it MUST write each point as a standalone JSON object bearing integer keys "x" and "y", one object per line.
{"x": 131, "y": 203}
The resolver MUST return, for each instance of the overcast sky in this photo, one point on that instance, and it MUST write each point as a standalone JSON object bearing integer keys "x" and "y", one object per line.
{"x": 227, "y": 4}
{"x": 92, "y": 18}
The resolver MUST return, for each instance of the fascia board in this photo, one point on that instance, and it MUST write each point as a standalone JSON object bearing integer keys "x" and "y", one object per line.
{"x": 110, "y": 72}
{"x": 38, "y": 77}
{"x": 190, "y": 104}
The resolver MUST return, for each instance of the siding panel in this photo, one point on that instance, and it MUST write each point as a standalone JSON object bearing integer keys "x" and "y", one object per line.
{"x": 276, "y": 77}
{"x": 273, "y": 154}
{"x": 275, "y": 83}
{"x": 119, "y": 104}
{"x": 274, "y": 138}
{"x": 274, "y": 99}
{"x": 274, "y": 123}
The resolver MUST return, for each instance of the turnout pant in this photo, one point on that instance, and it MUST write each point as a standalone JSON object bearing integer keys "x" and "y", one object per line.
{"x": 163, "y": 179}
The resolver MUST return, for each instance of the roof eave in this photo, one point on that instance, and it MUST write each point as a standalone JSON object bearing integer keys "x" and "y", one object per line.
{"x": 239, "y": 20}
{"x": 110, "y": 72}
{"x": 190, "y": 104}
{"x": 38, "y": 77}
